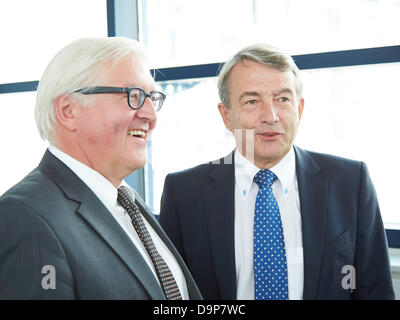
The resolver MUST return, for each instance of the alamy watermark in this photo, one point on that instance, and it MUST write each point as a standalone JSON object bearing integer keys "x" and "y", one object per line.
{"x": 49, "y": 280}
{"x": 349, "y": 280}
{"x": 244, "y": 142}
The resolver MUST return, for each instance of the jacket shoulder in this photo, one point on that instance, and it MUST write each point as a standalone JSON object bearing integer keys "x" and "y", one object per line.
{"x": 332, "y": 163}
{"x": 202, "y": 170}
{"x": 35, "y": 185}
{"x": 332, "y": 159}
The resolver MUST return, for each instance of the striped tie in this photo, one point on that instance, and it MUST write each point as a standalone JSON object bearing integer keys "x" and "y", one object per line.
{"x": 164, "y": 274}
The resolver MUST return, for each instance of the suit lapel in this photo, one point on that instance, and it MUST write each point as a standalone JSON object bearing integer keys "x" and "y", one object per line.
{"x": 93, "y": 211}
{"x": 313, "y": 192}
{"x": 219, "y": 201}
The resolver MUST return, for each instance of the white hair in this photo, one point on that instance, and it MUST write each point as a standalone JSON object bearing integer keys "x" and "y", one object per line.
{"x": 76, "y": 66}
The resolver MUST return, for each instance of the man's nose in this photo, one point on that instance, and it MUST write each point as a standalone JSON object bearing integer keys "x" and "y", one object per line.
{"x": 147, "y": 111}
{"x": 269, "y": 113}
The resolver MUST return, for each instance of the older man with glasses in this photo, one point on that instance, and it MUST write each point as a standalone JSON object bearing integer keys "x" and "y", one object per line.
{"x": 73, "y": 228}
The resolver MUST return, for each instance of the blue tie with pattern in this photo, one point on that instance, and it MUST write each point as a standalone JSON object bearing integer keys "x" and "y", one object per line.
{"x": 270, "y": 269}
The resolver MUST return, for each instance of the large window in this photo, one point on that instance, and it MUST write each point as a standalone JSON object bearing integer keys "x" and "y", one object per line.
{"x": 185, "y": 32}
{"x": 351, "y": 96}
{"x": 33, "y": 31}
{"x": 350, "y": 111}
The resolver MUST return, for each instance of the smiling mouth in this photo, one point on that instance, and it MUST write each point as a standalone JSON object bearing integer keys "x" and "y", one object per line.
{"x": 137, "y": 133}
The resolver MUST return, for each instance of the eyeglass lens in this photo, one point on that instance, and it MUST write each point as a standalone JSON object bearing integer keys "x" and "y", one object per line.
{"x": 138, "y": 96}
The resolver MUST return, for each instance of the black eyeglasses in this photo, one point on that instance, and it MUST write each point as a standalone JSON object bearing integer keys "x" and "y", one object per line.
{"x": 136, "y": 95}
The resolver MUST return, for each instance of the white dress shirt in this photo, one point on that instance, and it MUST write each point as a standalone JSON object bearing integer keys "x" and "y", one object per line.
{"x": 107, "y": 194}
{"x": 286, "y": 192}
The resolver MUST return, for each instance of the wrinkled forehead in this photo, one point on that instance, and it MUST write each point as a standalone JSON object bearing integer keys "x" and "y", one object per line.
{"x": 291, "y": 71}
{"x": 252, "y": 72}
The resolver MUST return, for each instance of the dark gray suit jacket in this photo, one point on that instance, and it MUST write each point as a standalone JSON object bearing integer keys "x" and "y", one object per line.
{"x": 51, "y": 218}
{"x": 341, "y": 225}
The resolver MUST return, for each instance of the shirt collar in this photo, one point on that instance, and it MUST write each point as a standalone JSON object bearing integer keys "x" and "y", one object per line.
{"x": 285, "y": 170}
{"x": 101, "y": 187}
{"x": 245, "y": 171}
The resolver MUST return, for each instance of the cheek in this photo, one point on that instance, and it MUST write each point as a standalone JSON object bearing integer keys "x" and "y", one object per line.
{"x": 289, "y": 118}
{"x": 244, "y": 120}
{"x": 103, "y": 132}
{"x": 152, "y": 125}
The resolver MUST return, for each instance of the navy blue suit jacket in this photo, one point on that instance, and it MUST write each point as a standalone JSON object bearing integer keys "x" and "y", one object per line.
{"x": 341, "y": 225}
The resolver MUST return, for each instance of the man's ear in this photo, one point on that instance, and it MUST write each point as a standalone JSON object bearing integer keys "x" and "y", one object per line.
{"x": 301, "y": 107}
{"x": 65, "y": 109}
{"x": 224, "y": 111}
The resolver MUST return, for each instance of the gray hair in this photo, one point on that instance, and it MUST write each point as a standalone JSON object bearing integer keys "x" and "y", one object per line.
{"x": 263, "y": 54}
{"x": 76, "y": 66}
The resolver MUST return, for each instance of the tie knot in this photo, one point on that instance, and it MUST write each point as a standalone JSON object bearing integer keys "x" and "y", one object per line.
{"x": 124, "y": 197}
{"x": 264, "y": 177}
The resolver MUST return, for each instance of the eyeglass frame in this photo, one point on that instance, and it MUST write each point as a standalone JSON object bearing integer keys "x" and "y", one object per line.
{"x": 127, "y": 90}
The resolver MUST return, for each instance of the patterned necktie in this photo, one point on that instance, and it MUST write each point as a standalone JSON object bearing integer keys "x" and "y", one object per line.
{"x": 164, "y": 274}
{"x": 270, "y": 269}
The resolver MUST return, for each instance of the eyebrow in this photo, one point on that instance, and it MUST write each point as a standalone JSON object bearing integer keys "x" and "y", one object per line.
{"x": 249, "y": 94}
{"x": 256, "y": 94}
{"x": 284, "y": 90}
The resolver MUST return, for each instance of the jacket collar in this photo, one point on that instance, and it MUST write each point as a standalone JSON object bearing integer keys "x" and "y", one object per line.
{"x": 220, "y": 200}
{"x": 313, "y": 193}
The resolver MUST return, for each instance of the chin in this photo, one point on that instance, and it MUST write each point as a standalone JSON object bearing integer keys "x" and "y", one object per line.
{"x": 137, "y": 162}
{"x": 269, "y": 157}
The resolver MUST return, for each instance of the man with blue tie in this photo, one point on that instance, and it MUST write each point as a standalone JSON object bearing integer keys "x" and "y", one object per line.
{"x": 270, "y": 220}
